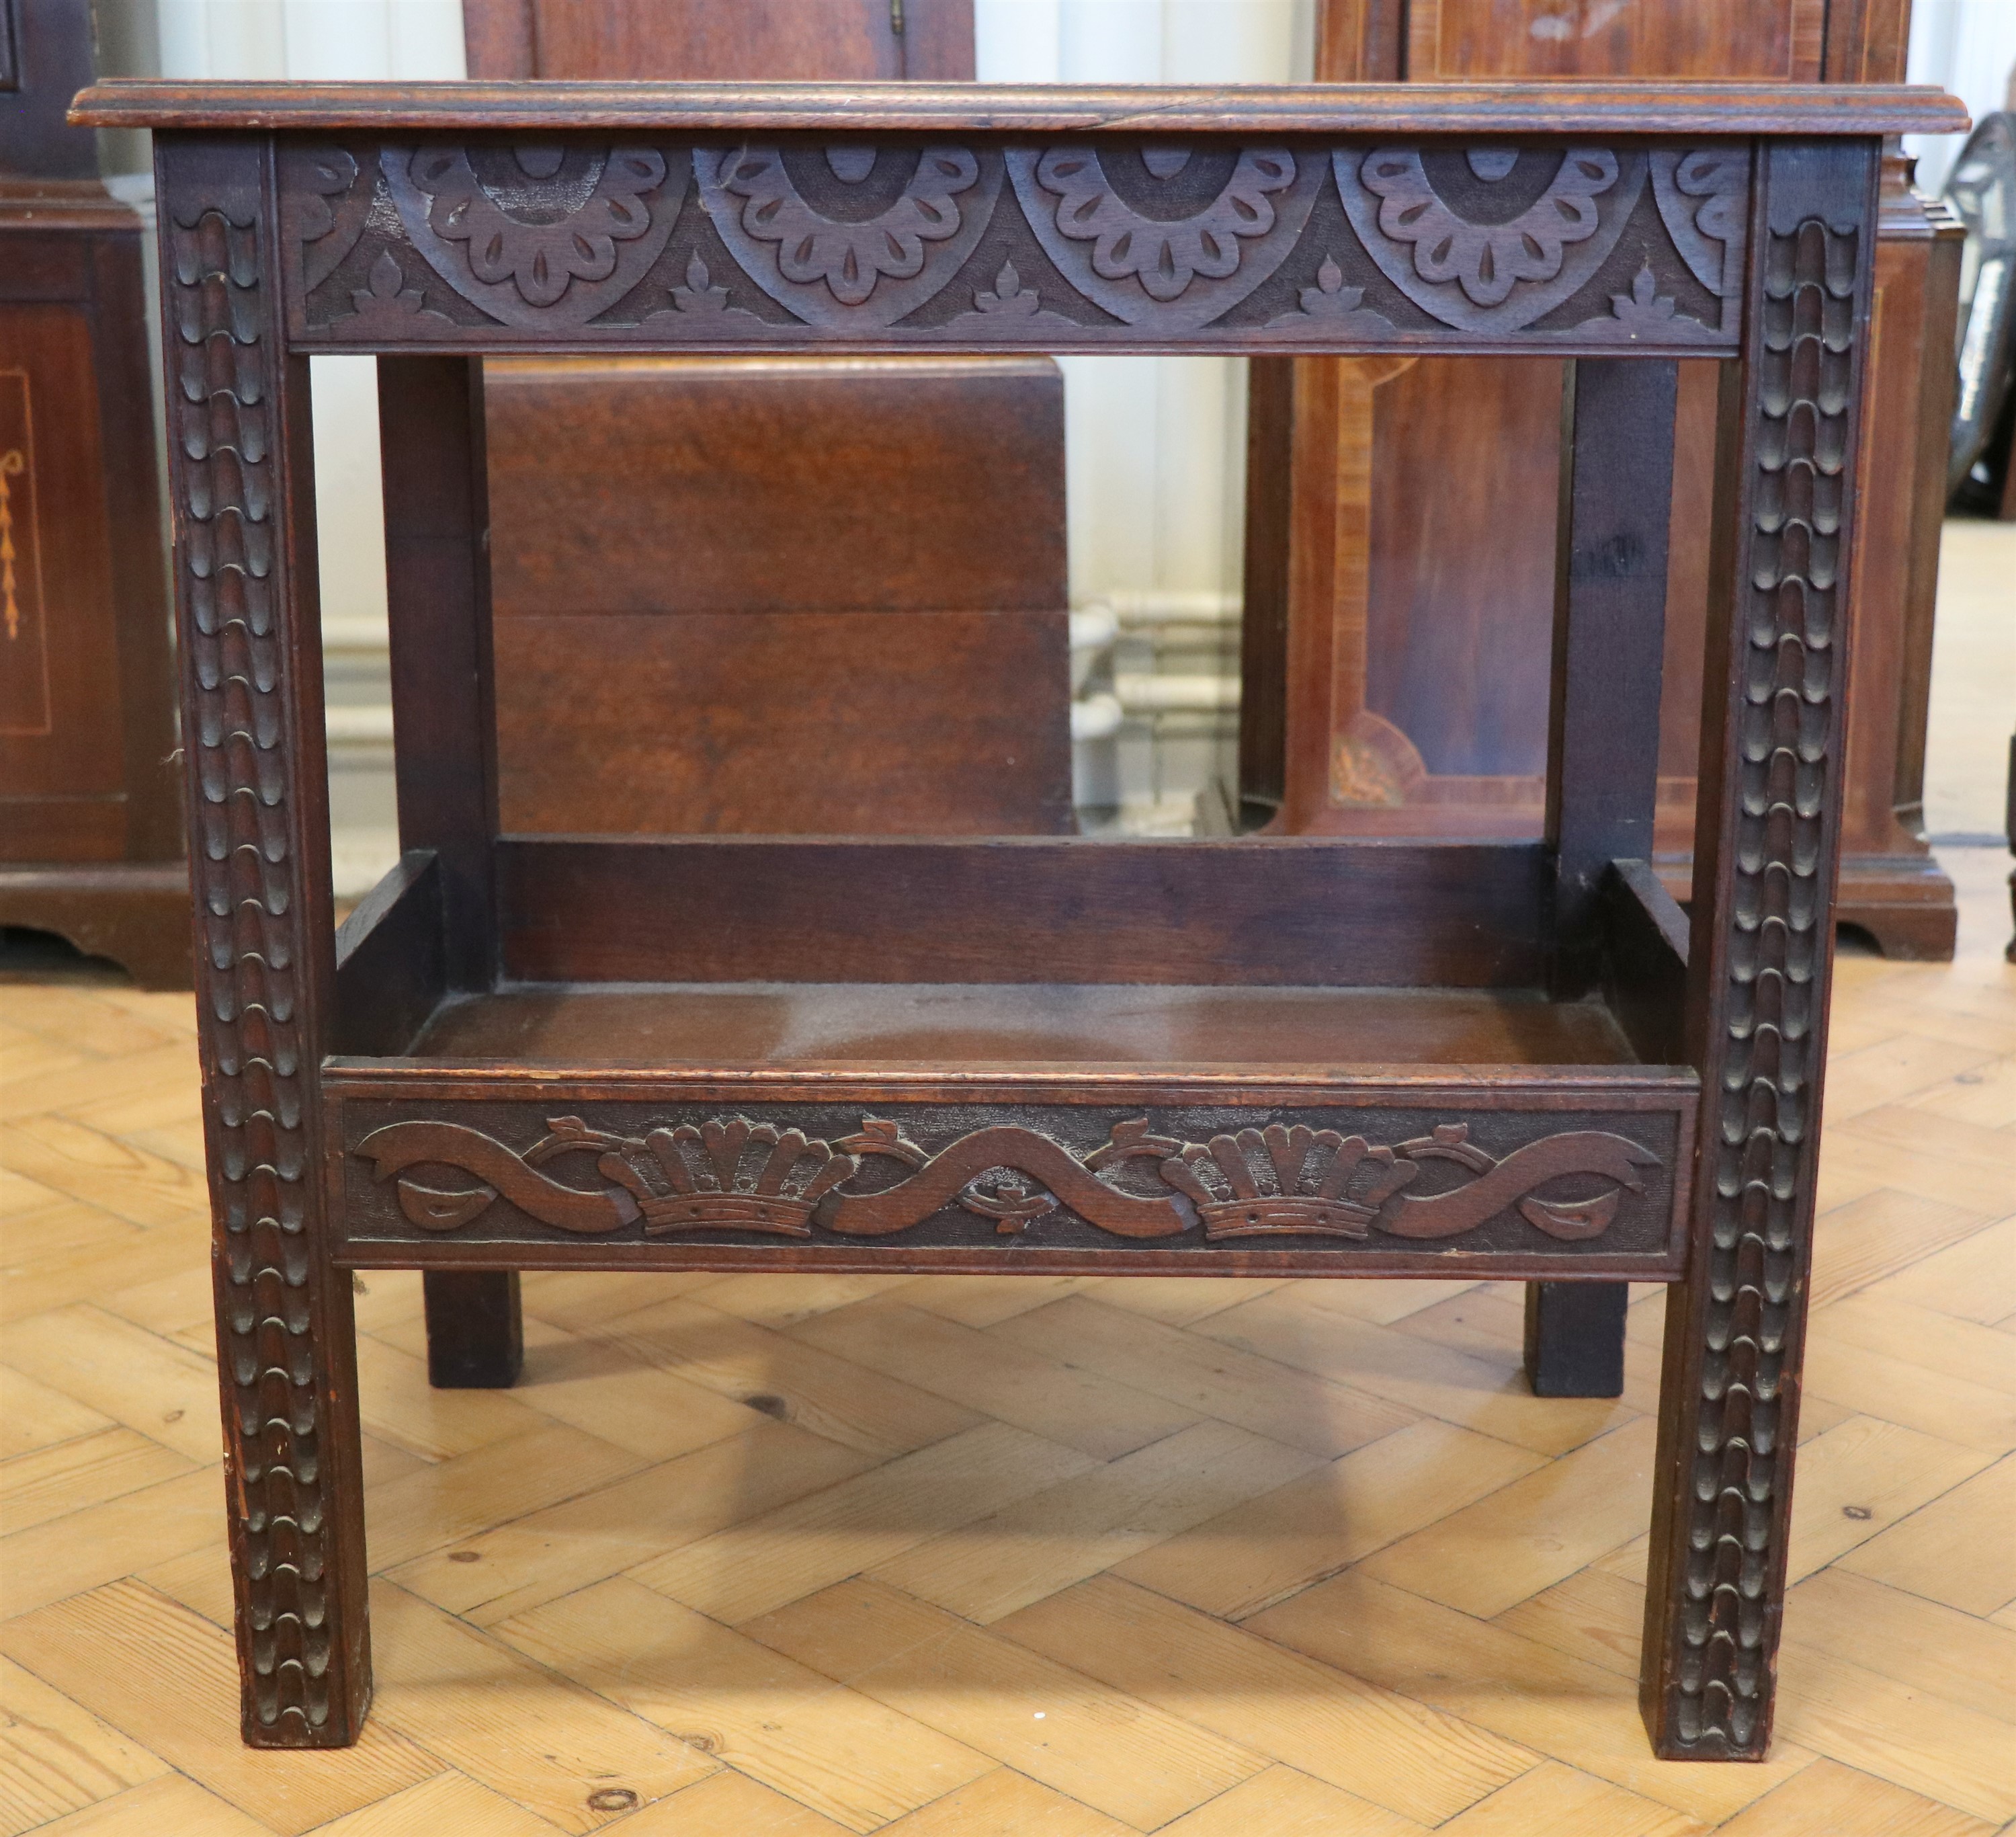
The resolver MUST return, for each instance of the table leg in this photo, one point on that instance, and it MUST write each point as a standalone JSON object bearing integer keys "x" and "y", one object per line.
{"x": 241, "y": 480}
{"x": 1575, "y": 1338}
{"x": 1767, "y": 847}
{"x": 476, "y": 1335}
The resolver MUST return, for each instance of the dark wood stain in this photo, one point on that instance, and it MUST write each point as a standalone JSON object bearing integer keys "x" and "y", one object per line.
{"x": 1445, "y": 933}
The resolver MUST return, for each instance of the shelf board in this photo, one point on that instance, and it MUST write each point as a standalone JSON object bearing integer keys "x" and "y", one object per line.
{"x": 1005, "y": 1025}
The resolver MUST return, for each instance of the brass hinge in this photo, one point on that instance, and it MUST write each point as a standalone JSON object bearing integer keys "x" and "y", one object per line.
{"x": 896, "y": 17}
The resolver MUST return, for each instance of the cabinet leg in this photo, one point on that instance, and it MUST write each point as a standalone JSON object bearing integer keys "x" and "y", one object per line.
{"x": 1575, "y": 1338}
{"x": 476, "y": 1335}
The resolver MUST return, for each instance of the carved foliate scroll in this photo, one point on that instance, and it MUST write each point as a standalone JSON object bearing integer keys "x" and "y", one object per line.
{"x": 1727, "y": 1471}
{"x": 1193, "y": 1177}
{"x": 991, "y": 241}
{"x": 301, "y": 1635}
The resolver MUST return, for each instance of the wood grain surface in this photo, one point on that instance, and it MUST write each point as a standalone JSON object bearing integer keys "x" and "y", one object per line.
{"x": 1630, "y": 108}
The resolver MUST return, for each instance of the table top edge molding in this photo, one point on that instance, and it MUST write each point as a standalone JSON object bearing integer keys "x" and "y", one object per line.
{"x": 1805, "y": 110}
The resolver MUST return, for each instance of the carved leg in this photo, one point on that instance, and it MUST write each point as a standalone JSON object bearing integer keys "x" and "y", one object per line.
{"x": 1766, "y": 844}
{"x": 476, "y": 1335}
{"x": 1575, "y": 1338}
{"x": 243, "y": 492}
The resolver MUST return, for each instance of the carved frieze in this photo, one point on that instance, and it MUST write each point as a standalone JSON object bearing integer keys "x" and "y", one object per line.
{"x": 1109, "y": 239}
{"x": 1059, "y": 1176}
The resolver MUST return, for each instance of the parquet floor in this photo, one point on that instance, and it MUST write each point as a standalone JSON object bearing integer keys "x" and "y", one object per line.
{"x": 789, "y": 1556}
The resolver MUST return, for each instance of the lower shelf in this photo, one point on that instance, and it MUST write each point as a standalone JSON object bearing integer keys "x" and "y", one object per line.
{"x": 1017, "y": 1023}
{"x": 1014, "y": 1127}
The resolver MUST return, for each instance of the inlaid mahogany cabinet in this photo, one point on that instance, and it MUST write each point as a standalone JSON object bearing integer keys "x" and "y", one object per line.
{"x": 1319, "y": 1056}
{"x": 1423, "y": 486}
{"x": 91, "y": 839}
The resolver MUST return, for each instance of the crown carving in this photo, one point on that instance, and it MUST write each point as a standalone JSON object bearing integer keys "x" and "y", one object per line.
{"x": 1287, "y": 1179}
{"x": 740, "y": 1176}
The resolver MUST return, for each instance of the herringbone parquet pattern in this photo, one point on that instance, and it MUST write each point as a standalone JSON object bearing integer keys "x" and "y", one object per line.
{"x": 782, "y": 1556}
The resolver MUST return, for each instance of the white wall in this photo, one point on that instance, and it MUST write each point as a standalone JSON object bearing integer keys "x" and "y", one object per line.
{"x": 332, "y": 39}
{"x": 1969, "y": 47}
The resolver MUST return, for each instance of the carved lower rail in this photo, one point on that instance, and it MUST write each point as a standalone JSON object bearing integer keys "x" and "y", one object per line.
{"x": 1385, "y": 1179}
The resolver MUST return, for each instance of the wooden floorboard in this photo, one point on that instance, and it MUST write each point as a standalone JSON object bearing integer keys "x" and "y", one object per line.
{"x": 794, "y": 1557}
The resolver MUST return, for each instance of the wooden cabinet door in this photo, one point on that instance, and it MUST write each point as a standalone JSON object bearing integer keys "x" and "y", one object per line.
{"x": 1765, "y": 41}
{"x": 61, "y": 760}
{"x": 723, "y": 41}
{"x": 1465, "y": 40}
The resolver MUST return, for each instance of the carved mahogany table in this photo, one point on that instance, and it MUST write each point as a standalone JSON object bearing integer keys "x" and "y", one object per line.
{"x": 1305, "y": 1056}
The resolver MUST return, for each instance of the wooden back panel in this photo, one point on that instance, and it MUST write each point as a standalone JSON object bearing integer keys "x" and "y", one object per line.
{"x": 722, "y": 41}
{"x": 781, "y": 595}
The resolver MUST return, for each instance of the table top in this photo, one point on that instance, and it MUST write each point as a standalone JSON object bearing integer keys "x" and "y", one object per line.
{"x": 1800, "y": 109}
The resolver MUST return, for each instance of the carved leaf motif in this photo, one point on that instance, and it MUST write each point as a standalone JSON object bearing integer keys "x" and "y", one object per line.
{"x": 327, "y": 208}
{"x": 1164, "y": 258}
{"x": 1488, "y": 276}
{"x": 1330, "y": 303}
{"x": 850, "y": 257}
{"x": 1002, "y": 1195}
{"x": 1010, "y": 298}
{"x": 1487, "y": 260}
{"x": 697, "y": 297}
{"x": 437, "y": 1209}
{"x": 541, "y": 259}
{"x": 1132, "y": 1140}
{"x": 387, "y": 302}
{"x": 1571, "y": 1221}
{"x": 878, "y": 1135}
{"x": 1703, "y": 197}
{"x": 564, "y": 235}
{"x": 1645, "y": 312}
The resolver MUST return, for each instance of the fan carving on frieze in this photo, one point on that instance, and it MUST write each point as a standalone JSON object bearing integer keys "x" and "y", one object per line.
{"x": 1490, "y": 238}
{"x": 849, "y": 231}
{"x": 546, "y": 234}
{"x": 1163, "y": 235}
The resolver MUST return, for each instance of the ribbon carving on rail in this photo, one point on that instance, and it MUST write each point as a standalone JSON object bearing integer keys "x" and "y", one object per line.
{"x": 732, "y": 1174}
